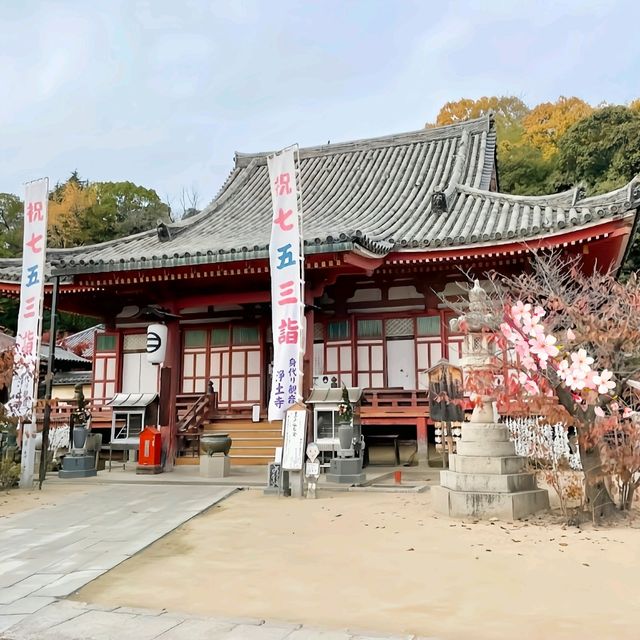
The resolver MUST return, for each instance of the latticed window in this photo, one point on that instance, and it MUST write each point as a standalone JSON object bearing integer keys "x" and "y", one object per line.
{"x": 370, "y": 328}
{"x": 338, "y": 330}
{"x": 399, "y": 328}
{"x": 246, "y": 335}
{"x": 105, "y": 342}
{"x": 429, "y": 326}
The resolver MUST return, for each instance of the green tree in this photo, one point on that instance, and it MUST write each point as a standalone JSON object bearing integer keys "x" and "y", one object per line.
{"x": 126, "y": 208}
{"x": 11, "y": 225}
{"x": 83, "y": 212}
{"x": 523, "y": 170}
{"x": 601, "y": 151}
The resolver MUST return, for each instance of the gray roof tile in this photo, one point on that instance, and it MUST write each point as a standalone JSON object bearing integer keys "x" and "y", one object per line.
{"x": 373, "y": 193}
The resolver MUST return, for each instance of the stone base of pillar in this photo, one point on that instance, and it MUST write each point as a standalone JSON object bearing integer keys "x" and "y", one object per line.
{"x": 215, "y": 466}
{"x": 486, "y": 479}
{"x": 78, "y": 466}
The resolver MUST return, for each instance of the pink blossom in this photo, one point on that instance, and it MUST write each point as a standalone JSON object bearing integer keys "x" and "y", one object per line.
{"x": 563, "y": 368}
{"x": 614, "y": 406}
{"x": 581, "y": 358}
{"x": 529, "y": 385}
{"x": 603, "y": 381}
{"x": 518, "y": 310}
{"x": 539, "y": 312}
{"x": 599, "y": 412}
{"x": 522, "y": 347}
{"x": 570, "y": 335}
{"x": 544, "y": 347}
{"x": 627, "y": 412}
{"x": 529, "y": 363}
{"x": 508, "y": 332}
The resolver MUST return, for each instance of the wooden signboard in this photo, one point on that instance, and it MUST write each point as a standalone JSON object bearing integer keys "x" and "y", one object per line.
{"x": 295, "y": 432}
{"x": 446, "y": 392}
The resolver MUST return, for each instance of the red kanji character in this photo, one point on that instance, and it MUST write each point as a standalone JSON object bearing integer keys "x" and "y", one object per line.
{"x": 28, "y": 339}
{"x": 286, "y": 293}
{"x": 281, "y": 220}
{"x": 283, "y": 184}
{"x": 289, "y": 331}
{"x": 30, "y": 307}
{"x": 34, "y": 211}
{"x": 34, "y": 241}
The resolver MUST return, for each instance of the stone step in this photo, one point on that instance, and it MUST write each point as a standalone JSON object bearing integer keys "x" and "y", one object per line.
{"x": 485, "y": 505}
{"x": 187, "y": 461}
{"x": 250, "y": 460}
{"x": 245, "y": 433}
{"x": 485, "y": 448}
{"x": 486, "y": 464}
{"x": 475, "y": 432}
{"x": 255, "y": 441}
{"x": 488, "y": 482}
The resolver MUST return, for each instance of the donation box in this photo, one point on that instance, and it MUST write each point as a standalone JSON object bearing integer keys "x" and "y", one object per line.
{"x": 150, "y": 453}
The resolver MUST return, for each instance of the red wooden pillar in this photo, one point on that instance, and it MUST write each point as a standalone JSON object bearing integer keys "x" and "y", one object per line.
{"x": 421, "y": 436}
{"x": 169, "y": 389}
{"x": 307, "y": 363}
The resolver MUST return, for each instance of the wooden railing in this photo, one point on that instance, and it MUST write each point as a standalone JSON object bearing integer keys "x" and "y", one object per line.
{"x": 393, "y": 406}
{"x": 395, "y": 398}
{"x": 61, "y": 413}
{"x": 200, "y": 411}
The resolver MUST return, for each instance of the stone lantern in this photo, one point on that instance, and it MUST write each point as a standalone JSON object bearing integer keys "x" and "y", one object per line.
{"x": 479, "y": 348}
{"x": 485, "y": 479}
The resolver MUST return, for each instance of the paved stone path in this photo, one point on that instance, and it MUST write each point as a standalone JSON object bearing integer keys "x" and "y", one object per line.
{"x": 69, "y": 620}
{"x": 51, "y": 552}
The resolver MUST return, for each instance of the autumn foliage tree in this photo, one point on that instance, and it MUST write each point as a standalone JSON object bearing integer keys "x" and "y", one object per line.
{"x": 545, "y": 125}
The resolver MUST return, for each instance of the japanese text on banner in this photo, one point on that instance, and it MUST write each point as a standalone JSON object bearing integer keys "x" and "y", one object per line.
{"x": 34, "y": 249}
{"x": 286, "y": 284}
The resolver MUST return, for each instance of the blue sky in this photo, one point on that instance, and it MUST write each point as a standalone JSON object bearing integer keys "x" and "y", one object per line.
{"x": 163, "y": 93}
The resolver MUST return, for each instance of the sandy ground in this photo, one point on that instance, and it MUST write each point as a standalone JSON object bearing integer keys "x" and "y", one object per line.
{"x": 385, "y": 562}
{"x": 52, "y": 494}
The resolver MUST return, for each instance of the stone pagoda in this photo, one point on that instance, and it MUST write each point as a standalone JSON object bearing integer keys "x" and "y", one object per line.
{"x": 486, "y": 478}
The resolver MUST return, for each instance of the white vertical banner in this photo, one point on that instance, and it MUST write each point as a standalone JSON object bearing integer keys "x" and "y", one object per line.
{"x": 287, "y": 284}
{"x": 27, "y": 349}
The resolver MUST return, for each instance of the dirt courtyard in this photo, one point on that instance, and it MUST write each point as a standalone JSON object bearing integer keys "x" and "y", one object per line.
{"x": 385, "y": 562}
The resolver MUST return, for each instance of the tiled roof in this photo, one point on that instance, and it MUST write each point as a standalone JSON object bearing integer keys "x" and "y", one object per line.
{"x": 71, "y": 377}
{"x": 83, "y": 339}
{"x": 369, "y": 192}
{"x": 476, "y": 216}
{"x": 62, "y": 355}
{"x": 425, "y": 189}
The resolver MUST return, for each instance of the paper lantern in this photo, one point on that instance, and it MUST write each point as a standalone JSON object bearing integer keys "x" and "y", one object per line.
{"x": 156, "y": 343}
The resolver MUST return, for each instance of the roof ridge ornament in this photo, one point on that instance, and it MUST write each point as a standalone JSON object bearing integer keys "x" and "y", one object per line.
{"x": 439, "y": 202}
{"x": 633, "y": 193}
{"x": 579, "y": 193}
{"x": 163, "y": 231}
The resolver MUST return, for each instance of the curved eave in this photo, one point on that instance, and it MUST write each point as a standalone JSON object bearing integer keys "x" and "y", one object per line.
{"x": 330, "y": 245}
{"x": 615, "y": 227}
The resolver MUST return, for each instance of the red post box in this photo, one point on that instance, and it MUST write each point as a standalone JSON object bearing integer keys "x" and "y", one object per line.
{"x": 150, "y": 454}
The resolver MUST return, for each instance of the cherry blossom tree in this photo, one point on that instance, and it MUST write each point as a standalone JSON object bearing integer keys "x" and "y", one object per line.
{"x": 571, "y": 343}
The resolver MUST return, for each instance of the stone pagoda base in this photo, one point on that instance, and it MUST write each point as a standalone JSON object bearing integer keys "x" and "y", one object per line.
{"x": 486, "y": 479}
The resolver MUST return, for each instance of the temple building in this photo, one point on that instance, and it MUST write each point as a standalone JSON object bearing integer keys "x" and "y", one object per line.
{"x": 388, "y": 224}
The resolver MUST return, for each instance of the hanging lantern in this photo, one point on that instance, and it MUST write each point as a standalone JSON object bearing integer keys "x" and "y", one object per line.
{"x": 156, "y": 343}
